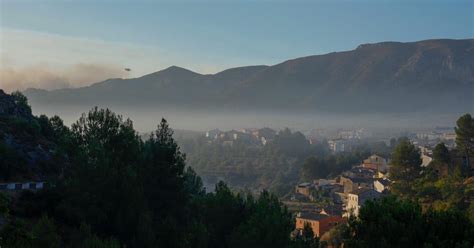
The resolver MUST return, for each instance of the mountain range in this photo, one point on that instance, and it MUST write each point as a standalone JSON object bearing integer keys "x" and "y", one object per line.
{"x": 432, "y": 75}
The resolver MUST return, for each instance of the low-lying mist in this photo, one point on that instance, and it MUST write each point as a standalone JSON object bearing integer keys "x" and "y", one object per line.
{"x": 146, "y": 119}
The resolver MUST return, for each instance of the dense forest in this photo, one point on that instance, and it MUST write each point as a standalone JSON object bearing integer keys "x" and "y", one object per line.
{"x": 109, "y": 188}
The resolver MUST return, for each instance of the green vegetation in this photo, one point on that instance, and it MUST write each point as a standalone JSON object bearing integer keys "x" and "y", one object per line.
{"x": 111, "y": 189}
{"x": 275, "y": 167}
{"x": 429, "y": 206}
{"x": 390, "y": 222}
{"x": 306, "y": 238}
{"x": 465, "y": 137}
{"x": 405, "y": 167}
{"x": 328, "y": 166}
{"x": 443, "y": 185}
{"x": 21, "y": 101}
{"x": 117, "y": 190}
{"x": 278, "y": 165}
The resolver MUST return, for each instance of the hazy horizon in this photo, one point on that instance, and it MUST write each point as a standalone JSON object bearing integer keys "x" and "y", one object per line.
{"x": 51, "y": 45}
{"x": 146, "y": 120}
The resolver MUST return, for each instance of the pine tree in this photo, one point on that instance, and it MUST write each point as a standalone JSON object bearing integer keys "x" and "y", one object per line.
{"x": 465, "y": 137}
{"x": 405, "y": 167}
{"x": 441, "y": 154}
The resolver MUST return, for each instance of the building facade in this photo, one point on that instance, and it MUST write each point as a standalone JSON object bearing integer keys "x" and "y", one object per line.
{"x": 319, "y": 223}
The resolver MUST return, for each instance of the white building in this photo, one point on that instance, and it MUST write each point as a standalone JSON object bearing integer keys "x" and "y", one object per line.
{"x": 375, "y": 162}
{"x": 357, "y": 198}
{"x": 22, "y": 186}
{"x": 425, "y": 160}
{"x": 213, "y": 134}
{"x": 381, "y": 185}
{"x": 337, "y": 145}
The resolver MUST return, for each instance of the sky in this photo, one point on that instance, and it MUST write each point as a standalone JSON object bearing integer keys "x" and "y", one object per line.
{"x": 58, "y": 44}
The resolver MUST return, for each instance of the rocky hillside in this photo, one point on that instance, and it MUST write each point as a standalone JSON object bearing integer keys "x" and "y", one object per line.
{"x": 27, "y": 152}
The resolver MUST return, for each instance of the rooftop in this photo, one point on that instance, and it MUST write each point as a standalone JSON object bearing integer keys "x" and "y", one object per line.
{"x": 361, "y": 191}
{"x": 311, "y": 216}
{"x": 304, "y": 185}
{"x": 384, "y": 182}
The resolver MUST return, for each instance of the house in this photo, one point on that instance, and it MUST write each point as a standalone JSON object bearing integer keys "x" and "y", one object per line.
{"x": 339, "y": 197}
{"x": 375, "y": 162}
{"x": 357, "y": 198}
{"x": 381, "y": 185}
{"x": 425, "y": 160}
{"x": 248, "y": 130}
{"x": 330, "y": 189}
{"x": 357, "y": 178}
{"x": 213, "y": 134}
{"x": 265, "y": 135}
{"x": 304, "y": 189}
{"x": 360, "y": 172}
{"x": 323, "y": 182}
{"x": 426, "y": 155}
{"x": 352, "y": 134}
{"x": 354, "y": 183}
{"x": 449, "y": 136}
{"x": 265, "y": 132}
{"x": 12, "y": 186}
{"x": 333, "y": 210}
{"x": 265, "y": 141}
{"x": 242, "y": 136}
{"x": 337, "y": 145}
{"x": 429, "y": 136}
{"x": 320, "y": 223}
{"x": 380, "y": 174}
{"x": 425, "y": 150}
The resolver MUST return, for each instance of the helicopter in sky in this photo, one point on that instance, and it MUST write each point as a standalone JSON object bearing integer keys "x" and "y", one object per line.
{"x": 127, "y": 69}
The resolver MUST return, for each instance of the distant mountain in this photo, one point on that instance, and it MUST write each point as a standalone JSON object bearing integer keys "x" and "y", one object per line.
{"x": 381, "y": 77}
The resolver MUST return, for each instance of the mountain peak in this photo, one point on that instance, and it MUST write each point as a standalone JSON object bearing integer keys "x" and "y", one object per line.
{"x": 176, "y": 69}
{"x": 386, "y": 76}
{"x": 173, "y": 71}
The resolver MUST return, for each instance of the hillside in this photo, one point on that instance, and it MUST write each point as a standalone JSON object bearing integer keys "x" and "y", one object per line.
{"x": 28, "y": 150}
{"x": 381, "y": 77}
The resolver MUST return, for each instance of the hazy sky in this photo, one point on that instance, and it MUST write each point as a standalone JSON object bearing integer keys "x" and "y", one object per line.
{"x": 55, "y": 44}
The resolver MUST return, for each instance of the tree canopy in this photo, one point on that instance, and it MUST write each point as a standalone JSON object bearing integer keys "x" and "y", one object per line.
{"x": 115, "y": 190}
{"x": 405, "y": 166}
{"x": 391, "y": 222}
{"x": 465, "y": 137}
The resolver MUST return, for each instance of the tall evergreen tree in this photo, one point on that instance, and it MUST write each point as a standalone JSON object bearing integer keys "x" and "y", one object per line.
{"x": 45, "y": 234}
{"x": 441, "y": 153}
{"x": 306, "y": 238}
{"x": 391, "y": 222}
{"x": 162, "y": 173}
{"x": 465, "y": 137}
{"x": 405, "y": 167}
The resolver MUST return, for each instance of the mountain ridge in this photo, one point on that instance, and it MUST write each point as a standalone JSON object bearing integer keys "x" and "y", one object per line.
{"x": 373, "y": 77}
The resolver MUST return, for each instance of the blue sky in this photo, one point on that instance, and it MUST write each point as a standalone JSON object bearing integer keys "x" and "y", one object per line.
{"x": 208, "y": 36}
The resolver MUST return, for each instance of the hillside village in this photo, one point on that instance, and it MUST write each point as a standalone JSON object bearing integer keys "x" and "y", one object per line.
{"x": 236, "y": 124}
{"x": 318, "y": 184}
{"x": 338, "y": 198}
{"x": 325, "y": 202}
